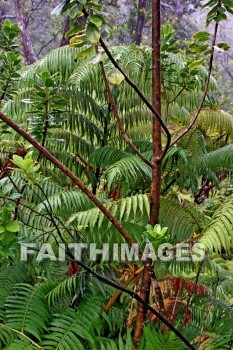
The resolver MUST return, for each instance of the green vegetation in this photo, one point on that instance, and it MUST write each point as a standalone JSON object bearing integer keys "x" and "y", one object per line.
{"x": 88, "y": 177}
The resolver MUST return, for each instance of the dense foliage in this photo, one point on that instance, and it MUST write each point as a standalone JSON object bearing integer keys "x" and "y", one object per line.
{"x": 62, "y": 102}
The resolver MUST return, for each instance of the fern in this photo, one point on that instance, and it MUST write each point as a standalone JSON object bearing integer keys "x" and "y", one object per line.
{"x": 32, "y": 312}
{"x": 154, "y": 340}
{"x": 215, "y": 121}
{"x": 221, "y": 159}
{"x": 63, "y": 288}
{"x": 9, "y": 276}
{"x": 105, "y": 156}
{"x": 72, "y": 330}
{"x": 217, "y": 319}
{"x": 219, "y": 231}
{"x": 128, "y": 173}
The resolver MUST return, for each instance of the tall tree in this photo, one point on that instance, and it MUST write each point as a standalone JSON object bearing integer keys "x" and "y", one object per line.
{"x": 141, "y": 15}
{"x": 156, "y": 172}
{"x": 28, "y": 49}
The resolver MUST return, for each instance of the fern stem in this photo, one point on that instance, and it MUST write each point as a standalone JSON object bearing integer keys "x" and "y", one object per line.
{"x": 21, "y": 334}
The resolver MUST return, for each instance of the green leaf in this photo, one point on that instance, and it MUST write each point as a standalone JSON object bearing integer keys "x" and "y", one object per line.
{"x": 61, "y": 8}
{"x": 2, "y": 230}
{"x": 84, "y": 53}
{"x": 196, "y": 64}
{"x": 93, "y": 33}
{"x": 13, "y": 226}
{"x": 4, "y": 251}
{"x": 95, "y": 6}
{"x": 96, "y": 19}
{"x": 78, "y": 38}
{"x": 201, "y": 36}
{"x": 49, "y": 82}
{"x": 76, "y": 11}
{"x": 115, "y": 77}
{"x": 98, "y": 58}
{"x": 74, "y": 30}
{"x": 77, "y": 45}
{"x": 223, "y": 46}
{"x": 17, "y": 160}
{"x": 197, "y": 48}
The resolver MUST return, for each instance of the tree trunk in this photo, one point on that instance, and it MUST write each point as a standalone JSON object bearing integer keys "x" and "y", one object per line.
{"x": 28, "y": 50}
{"x": 65, "y": 41}
{"x": 156, "y": 172}
{"x": 142, "y": 4}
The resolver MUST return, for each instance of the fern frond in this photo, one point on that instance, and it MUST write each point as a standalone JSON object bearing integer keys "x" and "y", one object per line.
{"x": 105, "y": 156}
{"x": 215, "y": 121}
{"x": 159, "y": 340}
{"x": 182, "y": 220}
{"x": 71, "y": 330}
{"x": 130, "y": 174}
{"x": 65, "y": 202}
{"x": 221, "y": 159}
{"x": 219, "y": 231}
{"x": 32, "y": 311}
{"x": 62, "y": 289}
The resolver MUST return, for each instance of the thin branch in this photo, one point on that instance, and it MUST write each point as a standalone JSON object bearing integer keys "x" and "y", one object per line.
{"x": 193, "y": 288}
{"x": 117, "y": 294}
{"x": 118, "y": 119}
{"x": 133, "y": 295}
{"x": 6, "y": 16}
{"x": 156, "y": 115}
{"x": 47, "y": 44}
{"x": 179, "y": 93}
{"x": 204, "y": 93}
{"x": 69, "y": 174}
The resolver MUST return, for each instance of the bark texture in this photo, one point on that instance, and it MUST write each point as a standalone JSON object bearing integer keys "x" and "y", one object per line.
{"x": 156, "y": 172}
{"x": 28, "y": 50}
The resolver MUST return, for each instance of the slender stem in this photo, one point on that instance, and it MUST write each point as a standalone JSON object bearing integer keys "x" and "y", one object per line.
{"x": 69, "y": 174}
{"x": 156, "y": 172}
{"x": 204, "y": 93}
{"x": 179, "y": 93}
{"x": 118, "y": 119}
{"x": 156, "y": 114}
{"x": 118, "y": 293}
{"x": 22, "y": 335}
{"x": 133, "y": 295}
